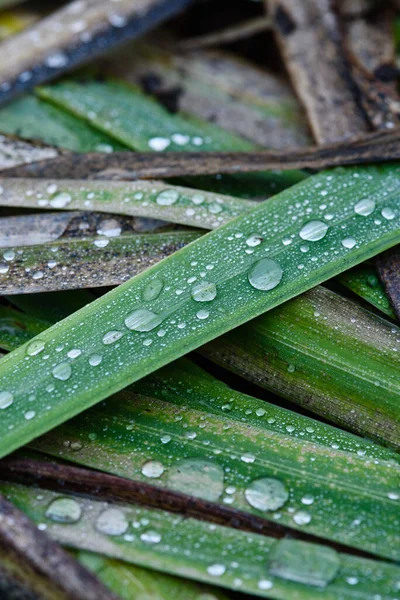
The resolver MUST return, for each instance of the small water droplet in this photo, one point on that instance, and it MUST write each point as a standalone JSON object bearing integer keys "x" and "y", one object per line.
{"x": 29, "y": 415}
{"x": 159, "y": 144}
{"x": 153, "y": 469}
{"x": 64, "y": 510}
{"x": 35, "y": 347}
{"x": 307, "y": 499}
{"x": 62, "y": 371}
{"x": 61, "y": 200}
{"x": 95, "y": 360}
{"x": 264, "y": 584}
{"x": 111, "y": 337}
{"x": 265, "y": 274}
{"x": 152, "y": 290}
{"x": 151, "y": 537}
{"x": 254, "y": 240}
{"x": 9, "y": 255}
{"x": 198, "y": 477}
{"x": 143, "y": 320}
{"x": 216, "y": 570}
{"x": 112, "y": 521}
{"x": 266, "y": 494}
{"x": 394, "y": 496}
{"x": 365, "y": 207}
{"x": 313, "y": 231}
{"x": 349, "y": 242}
{"x": 74, "y": 353}
{"x": 202, "y": 314}
{"x": 388, "y": 213}
{"x": 302, "y": 517}
{"x": 6, "y": 399}
{"x": 165, "y": 439}
{"x": 167, "y": 197}
{"x": 204, "y": 292}
{"x": 4, "y": 268}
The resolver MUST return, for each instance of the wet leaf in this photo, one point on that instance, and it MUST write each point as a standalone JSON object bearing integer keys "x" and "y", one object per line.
{"x": 363, "y": 281}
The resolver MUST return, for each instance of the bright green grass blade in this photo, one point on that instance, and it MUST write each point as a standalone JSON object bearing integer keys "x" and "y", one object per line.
{"x": 91, "y": 262}
{"x": 140, "y": 123}
{"x": 213, "y": 285}
{"x": 17, "y": 328}
{"x": 304, "y": 485}
{"x": 229, "y": 558}
{"x": 31, "y": 118}
{"x": 364, "y": 282}
{"x": 305, "y": 351}
{"x": 153, "y": 199}
{"x": 130, "y": 582}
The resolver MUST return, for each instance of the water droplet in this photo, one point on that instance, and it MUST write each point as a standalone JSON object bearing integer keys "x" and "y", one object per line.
{"x": 303, "y": 562}
{"x": 101, "y": 243}
{"x": 198, "y": 477}
{"x": 167, "y": 197}
{"x": 349, "y": 242}
{"x": 260, "y": 412}
{"x": 151, "y": 537}
{"x": 202, "y": 314}
{"x": 264, "y": 584}
{"x": 216, "y": 570}
{"x": 74, "y": 353}
{"x": 95, "y": 360}
{"x": 365, "y": 207}
{"x": 62, "y": 371}
{"x": 153, "y": 469}
{"x": 61, "y": 200}
{"x": 64, "y": 510}
{"x": 313, "y": 231}
{"x": 4, "y": 268}
{"x": 112, "y": 521}
{"x": 394, "y": 496}
{"x": 159, "y": 144}
{"x": 112, "y": 336}
{"x": 302, "y": 517}
{"x": 6, "y": 399}
{"x": 9, "y": 255}
{"x": 266, "y": 494}
{"x": 254, "y": 240}
{"x": 152, "y": 290}
{"x": 29, "y": 415}
{"x": 388, "y": 213}
{"x": 265, "y": 274}
{"x": 165, "y": 439}
{"x": 35, "y": 347}
{"x": 248, "y": 458}
{"x": 204, "y": 292}
{"x": 307, "y": 499}
{"x": 143, "y": 320}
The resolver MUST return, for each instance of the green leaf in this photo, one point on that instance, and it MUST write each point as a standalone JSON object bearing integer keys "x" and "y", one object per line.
{"x": 91, "y": 262}
{"x": 305, "y": 351}
{"x": 17, "y": 328}
{"x": 153, "y": 199}
{"x": 213, "y": 285}
{"x": 229, "y": 558}
{"x": 132, "y": 583}
{"x": 31, "y": 118}
{"x": 364, "y": 281}
{"x": 267, "y": 469}
{"x": 140, "y": 123}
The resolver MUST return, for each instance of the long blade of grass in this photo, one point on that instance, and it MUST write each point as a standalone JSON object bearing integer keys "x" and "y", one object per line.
{"x": 305, "y": 352}
{"x": 364, "y": 282}
{"x": 213, "y": 285}
{"x": 183, "y": 449}
{"x": 93, "y": 262}
{"x": 153, "y": 199}
{"x": 237, "y": 560}
{"x": 62, "y": 47}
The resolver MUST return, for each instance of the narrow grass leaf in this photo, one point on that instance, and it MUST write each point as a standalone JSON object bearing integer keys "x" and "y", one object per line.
{"x": 213, "y": 285}
{"x": 364, "y": 281}
{"x": 153, "y": 199}
{"x": 92, "y": 262}
{"x": 251, "y": 468}
{"x": 305, "y": 351}
{"x": 17, "y": 328}
{"x": 229, "y": 558}
{"x": 14, "y": 152}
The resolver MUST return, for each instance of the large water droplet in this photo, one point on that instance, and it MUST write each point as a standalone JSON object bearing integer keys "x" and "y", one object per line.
{"x": 62, "y": 371}
{"x": 388, "y": 213}
{"x": 204, "y": 292}
{"x": 112, "y": 521}
{"x": 265, "y": 274}
{"x": 64, "y": 510}
{"x": 198, "y": 477}
{"x": 152, "y": 290}
{"x": 153, "y": 469}
{"x": 35, "y": 347}
{"x": 112, "y": 336}
{"x": 167, "y": 197}
{"x": 313, "y": 231}
{"x": 266, "y": 494}
{"x": 6, "y": 399}
{"x": 311, "y": 564}
{"x": 142, "y": 320}
{"x": 365, "y": 207}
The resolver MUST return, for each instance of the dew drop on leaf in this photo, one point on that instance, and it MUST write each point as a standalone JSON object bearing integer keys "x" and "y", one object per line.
{"x": 153, "y": 469}
{"x": 6, "y": 399}
{"x": 349, "y": 242}
{"x": 112, "y": 336}
{"x": 64, "y": 510}
{"x": 62, "y": 371}
{"x": 302, "y": 517}
{"x": 313, "y": 231}
{"x": 112, "y": 521}
{"x": 152, "y": 290}
{"x": 266, "y": 494}
{"x": 142, "y": 320}
{"x": 151, "y": 537}
{"x": 388, "y": 213}
{"x": 167, "y": 197}
{"x": 204, "y": 292}
{"x": 35, "y": 347}
{"x": 265, "y": 274}
{"x": 198, "y": 477}
{"x": 216, "y": 570}
{"x": 365, "y": 207}
{"x": 95, "y": 360}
